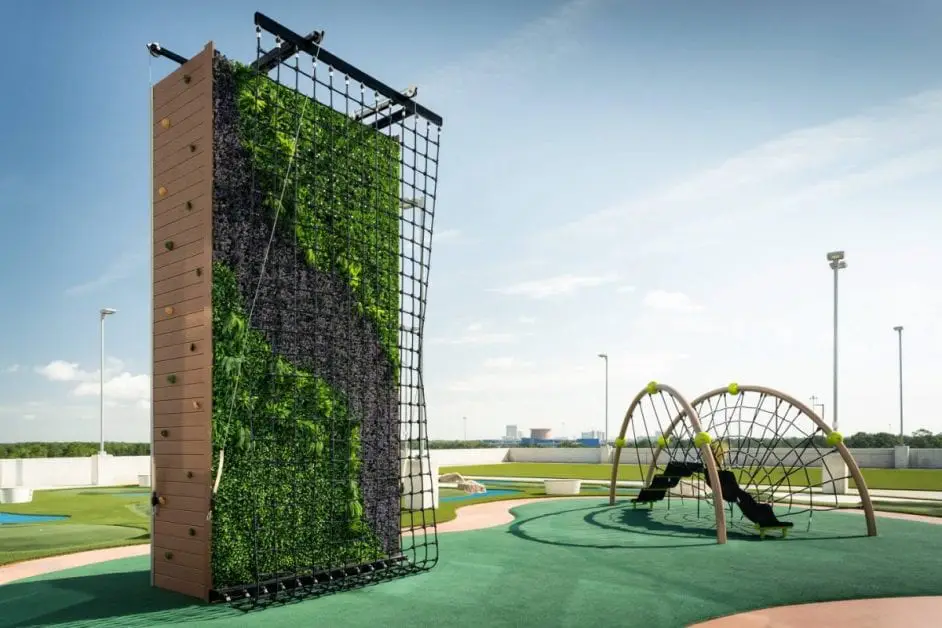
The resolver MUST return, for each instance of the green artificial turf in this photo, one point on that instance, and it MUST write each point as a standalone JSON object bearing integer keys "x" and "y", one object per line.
{"x": 924, "y": 508}
{"x": 898, "y": 479}
{"x": 447, "y": 511}
{"x": 110, "y": 517}
{"x": 98, "y": 518}
{"x": 561, "y": 563}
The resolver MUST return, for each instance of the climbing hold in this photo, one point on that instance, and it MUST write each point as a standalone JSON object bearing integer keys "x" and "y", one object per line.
{"x": 162, "y": 190}
{"x": 169, "y": 245}
{"x": 733, "y": 389}
{"x": 834, "y": 439}
{"x": 168, "y": 555}
{"x": 191, "y": 532}
{"x": 168, "y": 310}
{"x": 619, "y": 442}
{"x": 165, "y": 433}
{"x": 162, "y": 500}
{"x": 197, "y": 405}
{"x": 199, "y": 272}
{"x": 189, "y": 204}
{"x": 165, "y": 123}
{"x": 701, "y": 439}
{"x": 186, "y": 78}
{"x": 662, "y": 441}
{"x": 172, "y": 378}
{"x": 192, "y": 148}
{"x": 189, "y": 475}
{"x": 192, "y": 346}
{"x": 651, "y": 388}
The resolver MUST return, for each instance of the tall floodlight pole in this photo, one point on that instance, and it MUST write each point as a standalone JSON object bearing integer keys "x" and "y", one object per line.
{"x": 815, "y": 405}
{"x": 899, "y": 334}
{"x": 837, "y": 263}
{"x": 102, "y": 313}
{"x": 604, "y": 356}
{"x": 465, "y": 419}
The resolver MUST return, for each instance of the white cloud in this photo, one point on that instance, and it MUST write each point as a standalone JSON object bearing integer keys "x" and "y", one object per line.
{"x": 505, "y": 363}
{"x": 123, "y": 387}
{"x": 556, "y": 286}
{"x": 446, "y": 234}
{"x": 532, "y": 46}
{"x": 28, "y": 417}
{"x": 816, "y": 165}
{"x": 670, "y": 301}
{"x": 477, "y": 338}
{"x": 121, "y": 268}
{"x": 62, "y": 371}
{"x": 120, "y": 385}
{"x": 476, "y": 333}
{"x": 498, "y": 380}
{"x": 625, "y": 289}
{"x": 13, "y": 368}
{"x": 526, "y": 320}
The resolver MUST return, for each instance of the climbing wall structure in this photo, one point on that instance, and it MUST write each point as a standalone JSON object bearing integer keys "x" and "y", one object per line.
{"x": 292, "y": 223}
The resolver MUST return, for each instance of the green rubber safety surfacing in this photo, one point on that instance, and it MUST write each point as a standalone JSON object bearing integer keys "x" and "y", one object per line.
{"x": 573, "y": 562}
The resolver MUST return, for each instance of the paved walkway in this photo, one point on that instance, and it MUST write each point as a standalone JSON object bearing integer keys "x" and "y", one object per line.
{"x": 30, "y": 568}
{"x": 897, "y": 612}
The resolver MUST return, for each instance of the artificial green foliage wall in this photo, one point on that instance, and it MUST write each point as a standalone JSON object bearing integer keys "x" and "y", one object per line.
{"x": 292, "y": 457}
{"x": 292, "y": 493}
{"x": 347, "y": 203}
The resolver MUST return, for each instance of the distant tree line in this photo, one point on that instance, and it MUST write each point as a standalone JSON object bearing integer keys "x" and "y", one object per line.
{"x": 920, "y": 439}
{"x": 70, "y": 450}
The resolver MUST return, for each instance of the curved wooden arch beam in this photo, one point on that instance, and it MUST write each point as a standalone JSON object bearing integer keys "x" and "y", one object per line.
{"x": 862, "y": 489}
{"x": 705, "y": 452}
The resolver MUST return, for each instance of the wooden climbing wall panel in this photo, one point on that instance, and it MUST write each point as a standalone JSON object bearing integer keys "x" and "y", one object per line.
{"x": 182, "y": 356}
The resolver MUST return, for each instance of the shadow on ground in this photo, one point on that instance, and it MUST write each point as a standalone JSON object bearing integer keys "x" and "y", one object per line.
{"x": 663, "y": 528}
{"x": 105, "y": 600}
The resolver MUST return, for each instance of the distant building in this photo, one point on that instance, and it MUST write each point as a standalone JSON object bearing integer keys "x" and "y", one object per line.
{"x": 594, "y": 434}
{"x": 540, "y": 433}
{"x": 512, "y": 433}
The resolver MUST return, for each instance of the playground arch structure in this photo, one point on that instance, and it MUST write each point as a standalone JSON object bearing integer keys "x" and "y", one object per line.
{"x": 768, "y": 453}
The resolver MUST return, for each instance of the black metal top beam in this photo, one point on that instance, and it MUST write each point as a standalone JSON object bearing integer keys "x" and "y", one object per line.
{"x": 266, "y": 23}
{"x": 156, "y": 50}
{"x": 273, "y": 57}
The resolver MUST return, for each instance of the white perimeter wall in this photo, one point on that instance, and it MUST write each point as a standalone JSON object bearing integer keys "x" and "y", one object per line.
{"x": 40, "y": 473}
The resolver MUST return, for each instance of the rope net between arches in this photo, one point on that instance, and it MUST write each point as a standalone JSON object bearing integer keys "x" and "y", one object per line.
{"x": 774, "y": 456}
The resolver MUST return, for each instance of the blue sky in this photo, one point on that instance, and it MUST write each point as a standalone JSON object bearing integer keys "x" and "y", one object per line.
{"x": 659, "y": 181}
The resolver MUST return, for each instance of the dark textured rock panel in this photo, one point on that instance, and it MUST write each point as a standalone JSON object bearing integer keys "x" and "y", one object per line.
{"x": 307, "y": 315}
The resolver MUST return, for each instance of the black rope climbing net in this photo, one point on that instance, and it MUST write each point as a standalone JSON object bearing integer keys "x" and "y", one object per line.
{"x": 781, "y": 456}
{"x": 778, "y": 454}
{"x": 325, "y": 182}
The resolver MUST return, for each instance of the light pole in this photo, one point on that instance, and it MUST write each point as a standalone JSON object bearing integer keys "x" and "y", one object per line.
{"x": 465, "y": 419}
{"x": 837, "y": 263}
{"x": 604, "y": 356}
{"x": 102, "y": 313}
{"x": 899, "y": 333}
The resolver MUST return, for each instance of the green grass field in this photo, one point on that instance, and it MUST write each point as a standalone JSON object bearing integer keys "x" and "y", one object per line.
{"x": 449, "y": 510}
{"x": 898, "y": 479}
{"x": 98, "y": 518}
{"x": 110, "y": 517}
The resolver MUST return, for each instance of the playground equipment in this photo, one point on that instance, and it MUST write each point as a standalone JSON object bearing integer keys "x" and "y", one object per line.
{"x": 765, "y": 451}
{"x": 293, "y": 202}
